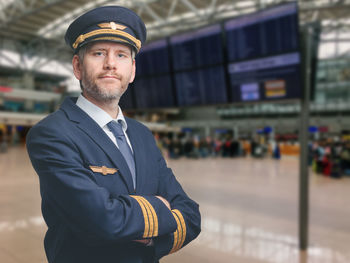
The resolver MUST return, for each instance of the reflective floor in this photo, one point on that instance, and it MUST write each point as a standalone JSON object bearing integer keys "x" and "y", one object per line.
{"x": 249, "y": 212}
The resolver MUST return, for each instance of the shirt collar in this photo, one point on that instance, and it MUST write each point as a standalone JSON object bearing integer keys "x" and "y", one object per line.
{"x": 98, "y": 114}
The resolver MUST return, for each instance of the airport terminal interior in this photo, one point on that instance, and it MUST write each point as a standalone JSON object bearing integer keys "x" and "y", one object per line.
{"x": 248, "y": 100}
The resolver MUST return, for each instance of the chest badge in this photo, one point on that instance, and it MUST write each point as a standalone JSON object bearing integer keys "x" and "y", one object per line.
{"x": 103, "y": 170}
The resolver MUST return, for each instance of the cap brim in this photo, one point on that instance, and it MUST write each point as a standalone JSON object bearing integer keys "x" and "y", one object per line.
{"x": 108, "y": 39}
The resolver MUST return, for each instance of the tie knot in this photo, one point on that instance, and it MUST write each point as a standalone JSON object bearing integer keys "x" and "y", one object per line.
{"x": 116, "y": 128}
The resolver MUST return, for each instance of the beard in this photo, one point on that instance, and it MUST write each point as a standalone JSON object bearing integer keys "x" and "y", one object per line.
{"x": 92, "y": 89}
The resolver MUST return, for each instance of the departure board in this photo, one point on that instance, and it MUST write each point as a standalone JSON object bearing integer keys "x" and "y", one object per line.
{"x": 154, "y": 92}
{"x": 272, "y": 78}
{"x": 153, "y": 59}
{"x": 198, "y": 48}
{"x": 201, "y": 87}
{"x": 264, "y": 57}
{"x": 268, "y": 32}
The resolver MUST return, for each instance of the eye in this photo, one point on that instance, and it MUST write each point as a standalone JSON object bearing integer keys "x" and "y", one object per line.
{"x": 98, "y": 53}
{"x": 121, "y": 55}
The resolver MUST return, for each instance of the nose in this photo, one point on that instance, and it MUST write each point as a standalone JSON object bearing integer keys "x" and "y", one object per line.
{"x": 110, "y": 62}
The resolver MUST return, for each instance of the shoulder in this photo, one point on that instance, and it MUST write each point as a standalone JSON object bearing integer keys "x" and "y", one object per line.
{"x": 54, "y": 122}
{"x": 54, "y": 119}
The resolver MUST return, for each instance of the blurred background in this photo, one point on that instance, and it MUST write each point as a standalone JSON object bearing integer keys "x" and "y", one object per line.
{"x": 223, "y": 85}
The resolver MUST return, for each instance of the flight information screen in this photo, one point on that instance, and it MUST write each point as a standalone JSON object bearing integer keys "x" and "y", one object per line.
{"x": 272, "y": 31}
{"x": 154, "y": 92}
{"x": 271, "y": 78}
{"x": 197, "y": 48}
{"x": 264, "y": 58}
{"x": 201, "y": 87}
{"x": 153, "y": 59}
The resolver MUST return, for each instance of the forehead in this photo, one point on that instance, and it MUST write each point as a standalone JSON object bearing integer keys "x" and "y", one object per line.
{"x": 109, "y": 45}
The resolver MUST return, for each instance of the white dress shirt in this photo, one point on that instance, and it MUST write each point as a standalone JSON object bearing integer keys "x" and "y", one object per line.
{"x": 102, "y": 118}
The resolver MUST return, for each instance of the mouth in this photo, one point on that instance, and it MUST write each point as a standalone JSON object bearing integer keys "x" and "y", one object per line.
{"x": 109, "y": 77}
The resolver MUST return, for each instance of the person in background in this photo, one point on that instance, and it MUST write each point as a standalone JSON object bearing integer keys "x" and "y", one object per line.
{"x": 277, "y": 151}
{"x": 107, "y": 193}
{"x": 217, "y": 147}
{"x": 188, "y": 147}
{"x": 203, "y": 147}
{"x": 345, "y": 159}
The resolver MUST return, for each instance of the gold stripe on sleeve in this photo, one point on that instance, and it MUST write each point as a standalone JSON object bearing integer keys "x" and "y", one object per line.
{"x": 181, "y": 233}
{"x": 150, "y": 216}
{"x": 155, "y": 217}
{"x": 177, "y": 233}
{"x": 145, "y": 216}
{"x": 176, "y": 240}
{"x": 183, "y": 224}
{"x": 183, "y": 227}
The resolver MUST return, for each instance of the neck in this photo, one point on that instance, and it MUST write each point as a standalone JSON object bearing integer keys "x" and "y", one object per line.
{"x": 110, "y": 106}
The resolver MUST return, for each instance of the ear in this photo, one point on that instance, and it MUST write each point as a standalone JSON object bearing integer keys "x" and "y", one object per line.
{"x": 76, "y": 67}
{"x": 132, "y": 77}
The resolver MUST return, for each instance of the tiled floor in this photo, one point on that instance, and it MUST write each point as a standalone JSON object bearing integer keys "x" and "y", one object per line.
{"x": 249, "y": 212}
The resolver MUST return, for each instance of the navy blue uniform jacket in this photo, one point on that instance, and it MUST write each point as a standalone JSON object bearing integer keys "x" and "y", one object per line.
{"x": 92, "y": 211}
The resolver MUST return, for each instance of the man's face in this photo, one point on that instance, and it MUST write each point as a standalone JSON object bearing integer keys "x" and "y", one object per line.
{"x": 106, "y": 71}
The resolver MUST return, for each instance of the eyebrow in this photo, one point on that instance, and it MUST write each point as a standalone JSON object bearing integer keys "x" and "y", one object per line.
{"x": 126, "y": 51}
{"x": 97, "y": 48}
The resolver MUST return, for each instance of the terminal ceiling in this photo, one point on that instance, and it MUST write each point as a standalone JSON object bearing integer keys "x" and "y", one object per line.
{"x": 38, "y": 26}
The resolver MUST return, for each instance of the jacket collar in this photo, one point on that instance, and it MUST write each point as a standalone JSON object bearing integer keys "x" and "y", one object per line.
{"x": 98, "y": 114}
{"x": 94, "y": 131}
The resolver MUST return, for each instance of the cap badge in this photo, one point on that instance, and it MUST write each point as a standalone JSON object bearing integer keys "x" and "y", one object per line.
{"x": 112, "y": 25}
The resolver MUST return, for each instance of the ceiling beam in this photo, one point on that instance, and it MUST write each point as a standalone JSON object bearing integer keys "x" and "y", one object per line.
{"x": 191, "y": 7}
{"x": 152, "y": 13}
{"x": 172, "y": 8}
{"x": 22, "y": 8}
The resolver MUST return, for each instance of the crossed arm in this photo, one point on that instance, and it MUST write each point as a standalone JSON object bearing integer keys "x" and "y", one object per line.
{"x": 170, "y": 219}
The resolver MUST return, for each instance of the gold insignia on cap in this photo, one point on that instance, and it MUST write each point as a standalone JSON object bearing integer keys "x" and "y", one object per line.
{"x": 112, "y": 25}
{"x": 103, "y": 170}
{"x": 96, "y": 33}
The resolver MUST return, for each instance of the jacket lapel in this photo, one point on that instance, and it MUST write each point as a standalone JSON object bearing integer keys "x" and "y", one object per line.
{"x": 94, "y": 131}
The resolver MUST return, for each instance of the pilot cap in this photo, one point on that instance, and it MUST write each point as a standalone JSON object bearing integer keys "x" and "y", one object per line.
{"x": 107, "y": 23}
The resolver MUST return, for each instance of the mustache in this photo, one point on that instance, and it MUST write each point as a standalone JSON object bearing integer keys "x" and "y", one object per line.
{"x": 110, "y": 74}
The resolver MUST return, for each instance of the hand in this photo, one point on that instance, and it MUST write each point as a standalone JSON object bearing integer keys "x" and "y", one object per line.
{"x": 164, "y": 201}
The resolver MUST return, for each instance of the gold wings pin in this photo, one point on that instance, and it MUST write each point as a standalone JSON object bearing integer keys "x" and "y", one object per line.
{"x": 103, "y": 170}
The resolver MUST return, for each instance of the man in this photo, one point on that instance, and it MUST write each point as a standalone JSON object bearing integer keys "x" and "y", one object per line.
{"x": 107, "y": 194}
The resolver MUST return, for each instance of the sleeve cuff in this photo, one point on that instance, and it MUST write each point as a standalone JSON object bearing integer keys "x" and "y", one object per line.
{"x": 171, "y": 243}
{"x": 180, "y": 233}
{"x": 162, "y": 245}
{"x": 150, "y": 217}
{"x": 158, "y": 219}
